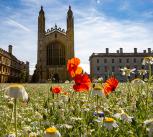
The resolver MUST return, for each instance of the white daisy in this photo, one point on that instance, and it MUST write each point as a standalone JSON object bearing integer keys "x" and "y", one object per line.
{"x": 110, "y": 123}
{"x": 124, "y": 117}
{"x": 147, "y": 60}
{"x": 149, "y": 124}
{"x": 17, "y": 91}
{"x": 127, "y": 72}
{"x": 97, "y": 90}
{"x": 142, "y": 72}
{"x": 52, "y": 132}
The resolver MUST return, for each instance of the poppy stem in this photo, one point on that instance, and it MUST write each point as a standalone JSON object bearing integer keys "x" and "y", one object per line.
{"x": 15, "y": 119}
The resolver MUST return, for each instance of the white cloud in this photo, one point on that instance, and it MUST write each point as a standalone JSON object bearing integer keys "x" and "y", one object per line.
{"x": 14, "y": 23}
{"x": 93, "y": 31}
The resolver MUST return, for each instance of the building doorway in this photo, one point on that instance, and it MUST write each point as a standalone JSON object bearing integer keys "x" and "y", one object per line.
{"x": 55, "y": 78}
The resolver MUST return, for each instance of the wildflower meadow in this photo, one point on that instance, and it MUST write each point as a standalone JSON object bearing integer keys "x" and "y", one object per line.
{"x": 79, "y": 108}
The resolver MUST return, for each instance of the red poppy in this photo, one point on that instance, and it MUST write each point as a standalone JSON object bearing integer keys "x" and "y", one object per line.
{"x": 110, "y": 85}
{"x": 82, "y": 83}
{"x": 56, "y": 89}
{"x": 72, "y": 67}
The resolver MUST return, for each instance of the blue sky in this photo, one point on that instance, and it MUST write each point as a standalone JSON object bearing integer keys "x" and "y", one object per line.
{"x": 99, "y": 24}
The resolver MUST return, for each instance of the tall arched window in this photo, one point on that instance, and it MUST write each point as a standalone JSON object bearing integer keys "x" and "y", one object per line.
{"x": 55, "y": 54}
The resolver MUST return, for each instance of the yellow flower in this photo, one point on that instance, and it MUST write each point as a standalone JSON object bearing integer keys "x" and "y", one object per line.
{"x": 110, "y": 123}
{"x": 97, "y": 90}
{"x": 98, "y": 87}
{"x": 109, "y": 120}
{"x": 51, "y": 130}
{"x": 15, "y": 86}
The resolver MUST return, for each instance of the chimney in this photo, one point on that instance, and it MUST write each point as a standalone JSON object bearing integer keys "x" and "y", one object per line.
{"x": 117, "y": 51}
{"x": 107, "y": 50}
{"x": 27, "y": 63}
{"x": 149, "y": 50}
{"x": 10, "y": 49}
{"x": 144, "y": 51}
{"x": 135, "y": 50}
{"x": 121, "y": 50}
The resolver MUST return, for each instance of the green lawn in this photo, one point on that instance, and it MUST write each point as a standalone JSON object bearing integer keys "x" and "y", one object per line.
{"x": 73, "y": 114}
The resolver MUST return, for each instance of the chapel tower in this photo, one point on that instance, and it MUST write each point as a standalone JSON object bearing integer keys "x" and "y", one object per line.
{"x": 55, "y": 47}
{"x": 70, "y": 31}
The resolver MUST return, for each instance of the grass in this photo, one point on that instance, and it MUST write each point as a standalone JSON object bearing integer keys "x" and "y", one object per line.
{"x": 72, "y": 114}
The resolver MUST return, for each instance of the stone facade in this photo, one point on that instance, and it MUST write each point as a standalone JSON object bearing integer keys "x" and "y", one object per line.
{"x": 12, "y": 69}
{"x": 105, "y": 64}
{"x": 55, "y": 47}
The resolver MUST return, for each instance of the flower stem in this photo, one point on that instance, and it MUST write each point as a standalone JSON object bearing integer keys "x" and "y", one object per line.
{"x": 148, "y": 85}
{"x": 12, "y": 114}
{"x": 15, "y": 119}
{"x": 97, "y": 103}
{"x": 128, "y": 87}
{"x": 150, "y": 72}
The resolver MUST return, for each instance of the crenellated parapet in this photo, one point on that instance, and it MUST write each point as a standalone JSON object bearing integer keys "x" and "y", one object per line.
{"x": 120, "y": 53}
{"x": 55, "y": 29}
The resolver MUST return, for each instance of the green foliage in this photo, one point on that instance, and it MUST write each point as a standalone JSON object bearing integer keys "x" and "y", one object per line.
{"x": 22, "y": 77}
{"x": 73, "y": 115}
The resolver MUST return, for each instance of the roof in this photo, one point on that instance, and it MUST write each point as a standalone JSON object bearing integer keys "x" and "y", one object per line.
{"x": 10, "y": 56}
{"x": 120, "y": 55}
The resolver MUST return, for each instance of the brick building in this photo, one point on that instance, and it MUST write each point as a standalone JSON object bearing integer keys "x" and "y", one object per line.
{"x": 105, "y": 64}
{"x": 12, "y": 69}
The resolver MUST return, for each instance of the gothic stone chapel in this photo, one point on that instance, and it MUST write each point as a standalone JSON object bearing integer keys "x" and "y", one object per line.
{"x": 55, "y": 47}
